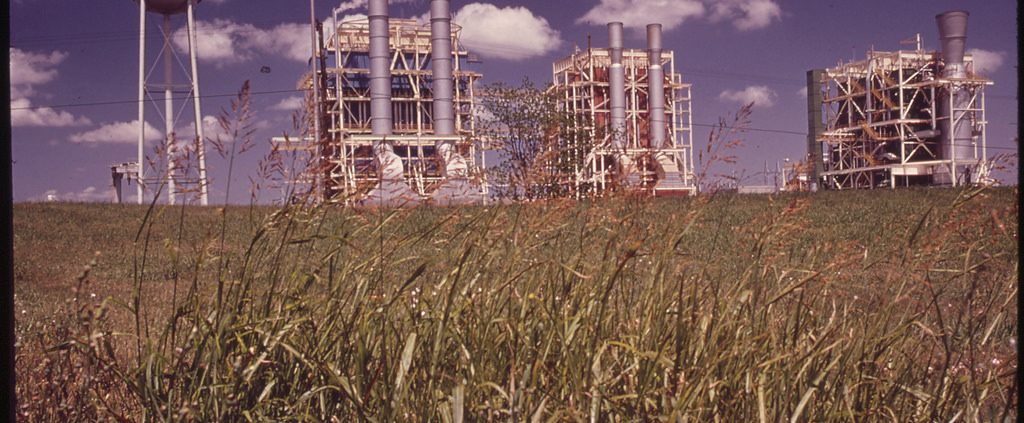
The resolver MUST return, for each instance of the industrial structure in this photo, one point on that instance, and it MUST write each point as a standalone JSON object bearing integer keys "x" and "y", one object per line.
{"x": 903, "y": 118}
{"x": 630, "y": 113}
{"x": 393, "y": 112}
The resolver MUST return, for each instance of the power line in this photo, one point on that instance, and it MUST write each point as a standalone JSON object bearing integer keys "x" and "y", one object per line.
{"x": 115, "y": 102}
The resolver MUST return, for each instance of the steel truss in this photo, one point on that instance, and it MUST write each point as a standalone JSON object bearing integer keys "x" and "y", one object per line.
{"x": 582, "y": 83}
{"x": 345, "y": 153}
{"x": 881, "y": 122}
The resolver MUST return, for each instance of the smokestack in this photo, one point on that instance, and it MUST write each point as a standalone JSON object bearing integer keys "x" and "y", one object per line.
{"x": 380, "y": 68}
{"x": 956, "y": 142}
{"x": 617, "y": 86}
{"x": 655, "y": 87}
{"x": 441, "y": 64}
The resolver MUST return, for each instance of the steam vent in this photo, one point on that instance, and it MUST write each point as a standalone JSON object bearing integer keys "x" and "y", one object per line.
{"x": 394, "y": 112}
{"x": 632, "y": 117}
{"x": 903, "y": 118}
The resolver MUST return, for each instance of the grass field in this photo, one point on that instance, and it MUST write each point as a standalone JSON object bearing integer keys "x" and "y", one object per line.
{"x": 838, "y": 306}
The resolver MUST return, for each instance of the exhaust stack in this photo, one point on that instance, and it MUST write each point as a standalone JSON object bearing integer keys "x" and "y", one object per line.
{"x": 956, "y": 137}
{"x": 441, "y": 65}
{"x": 617, "y": 86}
{"x": 380, "y": 68}
{"x": 656, "y": 87}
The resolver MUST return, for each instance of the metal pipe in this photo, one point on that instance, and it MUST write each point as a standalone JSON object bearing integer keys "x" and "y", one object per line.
{"x": 655, "y": 87}
{"x": 169, "y": 110}
{"x": 617, "y": 86}
{"x": 441, "y": 65}
{"x": 957, "y": 143}
{"x": 380, "y": 68}
{"x": 314, "y": 49}
{"x": 200, "y": 136}
{"x": 142, "y": 100}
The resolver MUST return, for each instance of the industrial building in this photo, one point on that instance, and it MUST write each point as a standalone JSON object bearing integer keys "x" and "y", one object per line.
{"x": 901, "y": 118}
{"x": 630, "y": 113}
{"x": 394, "y": 112}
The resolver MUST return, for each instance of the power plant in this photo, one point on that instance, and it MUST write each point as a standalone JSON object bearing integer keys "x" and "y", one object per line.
{"x": 394, "y": 112}
{"x": 903, "y": 118}
{"x": 635, "y": 117}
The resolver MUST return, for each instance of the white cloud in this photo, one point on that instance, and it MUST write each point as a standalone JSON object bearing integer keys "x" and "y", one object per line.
{"x": 117, "y": 133}
{"x": 23, "y": 114}
{"x": 802, "y": 92}
{"x": 985, "y": 61}
{"x": 744, "y": 14}
{"x": 509, "y": 33}
{"x": 89, "y": 194}
{"x": 29, "y": 69}
{"x": 638, "y": 13}
{"x": 224, "y": 42}
{"x": 288, "y": 104}
{"x": 760, "y": 95}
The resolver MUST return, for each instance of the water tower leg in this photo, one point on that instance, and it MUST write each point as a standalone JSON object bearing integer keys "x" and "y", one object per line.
{"x": 169, "y": 110}
{"x": 142, "y": 97}
{"x": 200, "y": 138}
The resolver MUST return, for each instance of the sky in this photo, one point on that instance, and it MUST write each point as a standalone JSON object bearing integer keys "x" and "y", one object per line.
{"x": 74, "y": 70}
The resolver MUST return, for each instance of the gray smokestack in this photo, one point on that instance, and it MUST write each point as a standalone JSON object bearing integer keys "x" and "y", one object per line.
{"x": 380, "y": 68}
{"x": 441, "y": 64}
{"x": 617, "y": 86}
{"x": 956, "y": 140}
{"x": 655, "y": 87}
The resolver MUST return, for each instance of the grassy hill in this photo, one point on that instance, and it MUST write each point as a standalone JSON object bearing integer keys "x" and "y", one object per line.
{"x": 833, "y": 306}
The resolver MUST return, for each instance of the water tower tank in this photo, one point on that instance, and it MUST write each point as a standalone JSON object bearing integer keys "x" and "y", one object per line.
{"x": 167, "y": 7}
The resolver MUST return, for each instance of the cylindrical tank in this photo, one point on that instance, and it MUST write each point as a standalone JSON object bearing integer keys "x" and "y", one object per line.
{"x": 656, "y": 86}
{"x": 380, "y": 68}
{"x": 167, "y": 7}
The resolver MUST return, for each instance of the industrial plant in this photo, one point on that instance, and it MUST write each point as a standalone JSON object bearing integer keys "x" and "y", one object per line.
{"x": 393, "y": 112}
{"x": 634, "y": 113}
{"x": 902, "y": 118}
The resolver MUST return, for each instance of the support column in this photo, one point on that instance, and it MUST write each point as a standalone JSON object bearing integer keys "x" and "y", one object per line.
{"x": 200, "y": 136}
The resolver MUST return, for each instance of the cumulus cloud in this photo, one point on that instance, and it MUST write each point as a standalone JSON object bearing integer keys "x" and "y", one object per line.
{"x": 509, "y": 33}
{"x": 225, "y": 42}
{"x": 289, "y": 104}
{"x": 985, "y": 61}
{"x": 29, "y": 69}
{"x": 24, "y": 114}
{"x": 802, "y": 92}
{"x": 760, "y": 95}
{"x": 117, "y": 133}
{"x": 746, "y": 15}
{"x": 89, "y": 194}
{"x": 743, "y": 14}
{"x": 639, "y": 13}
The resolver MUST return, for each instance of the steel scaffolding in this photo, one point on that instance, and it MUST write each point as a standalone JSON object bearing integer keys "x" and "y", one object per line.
{"x": 582, "y": 83}
{"x": 882, "y": 122}
{"x": 347, "y": 168}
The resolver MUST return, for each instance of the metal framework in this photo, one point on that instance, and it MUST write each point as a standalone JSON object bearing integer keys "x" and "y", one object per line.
{"x": 882, "y": 122}
{"x": 582, "y": 81}
{"x": 347, "y": 167}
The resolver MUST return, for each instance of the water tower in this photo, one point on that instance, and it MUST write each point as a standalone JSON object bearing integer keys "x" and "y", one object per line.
{"x": 166, "y": 9}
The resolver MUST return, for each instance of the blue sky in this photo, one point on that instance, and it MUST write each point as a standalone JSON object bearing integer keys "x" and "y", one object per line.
{"x": 74, "y": 68}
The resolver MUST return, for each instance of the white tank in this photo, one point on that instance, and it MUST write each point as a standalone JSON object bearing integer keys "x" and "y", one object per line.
{"x": 167, "y": 7}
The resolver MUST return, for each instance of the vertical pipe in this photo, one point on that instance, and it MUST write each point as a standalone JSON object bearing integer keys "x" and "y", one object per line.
{"x": 142, "y": 100}
{"x": 655, "y": 87}
{"x": 380, "y": 68}
{"x": 200, "y": 135}
{"x": 441, "y": 66}
{"x": 617, "y": 86}
{"x": 315, "y": 52}
{"x": 169, "y": 110}
{"x": 953, "y": 36}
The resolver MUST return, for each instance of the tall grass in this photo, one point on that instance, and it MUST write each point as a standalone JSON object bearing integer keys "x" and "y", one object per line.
{"x": 719, "y": 308}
